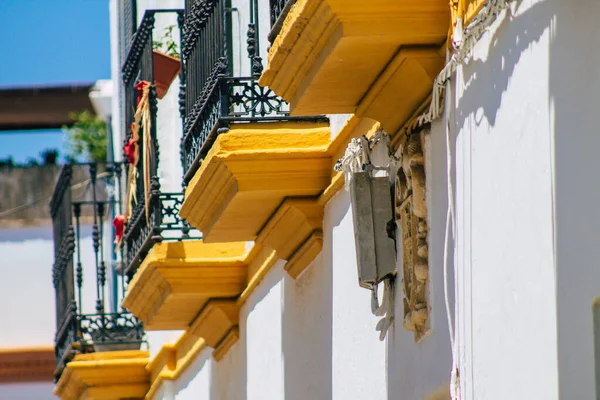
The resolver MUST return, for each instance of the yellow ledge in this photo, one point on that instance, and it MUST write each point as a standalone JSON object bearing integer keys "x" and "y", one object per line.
{"x": 176, "y": 280}
{"x": 200, "y": 287}
{"x": 330, "y": 54}
{"x": 105, "y": 376}
{"x": 249, "y": 171}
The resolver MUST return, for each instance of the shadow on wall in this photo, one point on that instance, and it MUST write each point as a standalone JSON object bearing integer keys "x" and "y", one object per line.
{"x": 492, "y": 79}
{"x": 574, "y": 87}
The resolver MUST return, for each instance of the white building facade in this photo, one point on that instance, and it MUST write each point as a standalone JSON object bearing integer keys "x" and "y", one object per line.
{"x": 512, "y": 275}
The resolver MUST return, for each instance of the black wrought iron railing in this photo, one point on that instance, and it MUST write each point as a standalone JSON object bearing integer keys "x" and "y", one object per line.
{"x": 84, "y": 198}
{"x": 213, "y": 96}
{"x": 139, "y": 64}
{"x": 127, "y": 24}
{"x": 154, "y": 216}
{"x": 163, "y": 224}
{"x": 279, "y": 10}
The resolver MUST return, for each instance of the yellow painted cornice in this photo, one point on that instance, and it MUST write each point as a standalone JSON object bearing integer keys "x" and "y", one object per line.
{"x": 176, "y": 279}
{"x": 249, "y": 171}
{"x": 217, "y": 324}
{"x": 200, "y": 286}
{"x": 329, "y": 53}
{"x": 106, "y": 375}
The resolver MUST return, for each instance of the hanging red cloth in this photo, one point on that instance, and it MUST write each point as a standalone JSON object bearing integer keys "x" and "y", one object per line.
{"x": 140, "y": 86}
{"x": 130, "y": 148}
{"x": 119, "y": 224}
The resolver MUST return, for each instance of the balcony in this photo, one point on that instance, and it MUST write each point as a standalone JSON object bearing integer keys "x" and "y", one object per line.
{"x": 171, "y": 272}
{"x": 81, "y": 205}
{"x": 151, "y": 214}
{"x": 242, "y": 152}
{"x": 374, "y": 59}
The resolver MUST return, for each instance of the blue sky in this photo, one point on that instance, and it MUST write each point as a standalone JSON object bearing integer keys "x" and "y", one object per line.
{"x": 50, "y": 41}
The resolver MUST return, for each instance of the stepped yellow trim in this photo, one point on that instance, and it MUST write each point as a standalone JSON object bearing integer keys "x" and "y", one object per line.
{"x": 329, "y": 53}
{"x": 249, "y": 171}
{"x": 176, "y": 279}
{"x": 184, "y": 285}
{"x": 106, "y": 375}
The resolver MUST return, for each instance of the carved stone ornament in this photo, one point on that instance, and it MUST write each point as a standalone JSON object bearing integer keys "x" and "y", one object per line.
{"x": 410, "y": 210}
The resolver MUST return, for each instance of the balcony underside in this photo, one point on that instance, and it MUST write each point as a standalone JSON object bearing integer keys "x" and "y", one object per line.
{"x": 336, "y": 56}
{"x": 248, "y": 173}
{"x": 177, "y": 279}
{"x": 105, "y": 375}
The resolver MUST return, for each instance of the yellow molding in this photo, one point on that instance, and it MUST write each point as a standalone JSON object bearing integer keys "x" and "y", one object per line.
{"x": 307, "y": 252}
{"x": 329, "y": 52}
{"x": 176, "y": 279}
{"x": 292, "y": 232}
{"x": 290, "y": 225}
{"x": 106, "y": 375}
{"x": 402, "y": 86}
{"x": 228, "y": 341}
{"x": 249, "y": 171}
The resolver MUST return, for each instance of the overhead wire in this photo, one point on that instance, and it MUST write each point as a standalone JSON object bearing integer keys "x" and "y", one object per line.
{"x": 46, "y": 198}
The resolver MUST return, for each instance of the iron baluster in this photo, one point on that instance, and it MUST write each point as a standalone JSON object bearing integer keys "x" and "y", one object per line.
{"x": 102, "y": 265}
{"x": 76, "y": 331}
{"x": 77, "y": 213}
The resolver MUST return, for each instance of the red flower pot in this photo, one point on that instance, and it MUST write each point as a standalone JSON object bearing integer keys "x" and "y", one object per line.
{"x": 166, "y": 69}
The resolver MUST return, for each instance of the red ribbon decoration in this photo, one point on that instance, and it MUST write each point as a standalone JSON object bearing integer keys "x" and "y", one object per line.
{"x": 140, "y": 86}
{"x": 130, "y": 148}
{"x": 119, "y": 224}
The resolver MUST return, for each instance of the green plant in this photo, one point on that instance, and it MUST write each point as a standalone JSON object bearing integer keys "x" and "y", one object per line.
{"x": 87, "y": 137}
{"x": 166, "y": 44}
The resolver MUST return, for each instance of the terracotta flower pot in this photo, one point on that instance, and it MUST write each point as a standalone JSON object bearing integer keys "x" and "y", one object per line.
{"x": 166, "y": 69}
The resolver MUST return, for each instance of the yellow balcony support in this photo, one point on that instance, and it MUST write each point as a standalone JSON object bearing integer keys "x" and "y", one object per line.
{"x": 177, "y": 279}
{"x": 329, "y": 54}
{"x": 105, "y": 376}
{"x": 200, "y": 286}
{"x": 249, "y": 171}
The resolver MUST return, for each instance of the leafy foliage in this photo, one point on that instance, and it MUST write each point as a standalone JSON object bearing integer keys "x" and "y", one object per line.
{"x": 87, "y": 137}
{"x": 166, "y": 44}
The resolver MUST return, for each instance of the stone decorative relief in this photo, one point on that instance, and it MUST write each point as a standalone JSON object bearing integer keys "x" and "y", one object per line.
{"x": 410, "y": 210}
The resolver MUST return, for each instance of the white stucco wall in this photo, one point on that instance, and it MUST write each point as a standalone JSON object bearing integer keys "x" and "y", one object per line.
{"x": 27, "y": 256}
{"x": 527, "y": 205}
{"x": 26, "y": 290}
{"x": 573, "y": 91}
{"x": 27, "y": 391}
{"x": 525, "y": 172}
{"x": 28, "y": 313}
